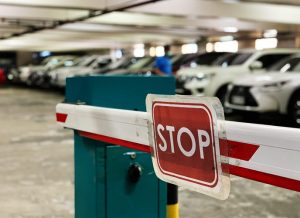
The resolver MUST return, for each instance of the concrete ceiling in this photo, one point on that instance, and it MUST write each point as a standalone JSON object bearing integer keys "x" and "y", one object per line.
{"x": 75, "y": 24}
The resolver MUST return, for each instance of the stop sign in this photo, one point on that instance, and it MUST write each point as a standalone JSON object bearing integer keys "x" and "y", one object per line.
{"x": 185, "y": 144}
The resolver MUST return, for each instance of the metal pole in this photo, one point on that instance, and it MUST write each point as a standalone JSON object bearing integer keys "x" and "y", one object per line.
{"x": 172, "y": 201}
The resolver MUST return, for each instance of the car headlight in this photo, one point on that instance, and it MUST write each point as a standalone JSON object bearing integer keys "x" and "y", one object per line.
{"x": 201, "y": 77}
{"x": 10, "y": 77}
{"x": 182, "y": 78}
{"x": 209, "y": 76}
{"x": 274, "y": 86}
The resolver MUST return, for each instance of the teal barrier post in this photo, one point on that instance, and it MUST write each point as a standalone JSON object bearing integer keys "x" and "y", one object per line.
{"x": 112, "y": 181}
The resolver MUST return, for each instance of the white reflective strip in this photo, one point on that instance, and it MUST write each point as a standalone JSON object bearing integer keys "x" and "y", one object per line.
{"x": 278, "y": 169}
{"x": 127, "y": 125}
{"x": 281, "y": 137}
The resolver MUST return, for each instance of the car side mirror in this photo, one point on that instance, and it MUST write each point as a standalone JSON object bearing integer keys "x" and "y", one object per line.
{"x": 256, "y": 65}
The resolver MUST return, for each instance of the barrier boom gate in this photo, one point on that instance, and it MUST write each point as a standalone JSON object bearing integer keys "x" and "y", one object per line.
{"x": 263, "y": 153}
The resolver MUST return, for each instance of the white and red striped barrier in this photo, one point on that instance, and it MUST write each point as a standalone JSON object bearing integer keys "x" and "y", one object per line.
{"x": 263, "y": 153}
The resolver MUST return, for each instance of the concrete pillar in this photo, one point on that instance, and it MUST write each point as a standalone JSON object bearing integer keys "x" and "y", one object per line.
{"x": 287, "y": 43}
{"x": 297, "y": 42}
{"x": 24, "y": 58}
{"x": 247, "y": 44}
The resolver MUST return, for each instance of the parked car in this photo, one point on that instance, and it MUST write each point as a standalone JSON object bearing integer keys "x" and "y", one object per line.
{"x": 213, "y": 81}
{"x": 276, "y": 91}
{"x": 86, "y": 65}
{"x": 24, "y": 73}
{"x": 2, "y": 76}
{"x": 134, "y": 68}
{"x": 145, "y": 65}
{"x": 6, "y": 64}
{"x": 203, "y": 61}
{"x": 102, "y": 64}
{"x": 196, "y": 60}
{"x": 42, "y": 78}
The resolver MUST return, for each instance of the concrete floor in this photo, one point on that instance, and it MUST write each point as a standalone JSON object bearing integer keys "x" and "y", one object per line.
{"x": 36, "y": 157}
{"x": 36, "y": 169}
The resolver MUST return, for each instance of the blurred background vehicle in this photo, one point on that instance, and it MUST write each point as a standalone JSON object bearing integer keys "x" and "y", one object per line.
{"x": 277, "y": 91}
{"x": 135, "y": 67}
{"x": 213, "y": 81}
{"x": 41, "y": 78}
{"x": 2, "y": 76}
{"x": 85, "y": 66}
{"x": 104, "y": 64}
{"x": 222, "y": 59}
{"x": 27, "y": 74}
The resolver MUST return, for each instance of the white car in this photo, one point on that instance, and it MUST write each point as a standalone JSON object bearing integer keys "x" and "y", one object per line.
{"x": 47, "y": 64}
{"x": 276, "y": 91}
{"x": 88, "y": 65}
{"x": 213, "y": 81}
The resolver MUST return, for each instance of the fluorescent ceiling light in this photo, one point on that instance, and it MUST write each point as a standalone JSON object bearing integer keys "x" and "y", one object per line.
{"x": 231, "y": 1}
{"x": 209, "y": 47}
{"x": 229, "y": 46}
{"x": 139, "y": 50}
{"x": 152, "y": 51}
{"x": 270, "y": 33}
{"x": 160, "y": 51}
{"x": 230, "y": 29}
{"x": 266, "y": 43}
{"x": 226, "y": 38}
{"x": 189, "y": 48}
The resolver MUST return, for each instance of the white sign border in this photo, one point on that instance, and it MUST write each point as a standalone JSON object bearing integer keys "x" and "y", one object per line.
{"x": 222, "y": 188}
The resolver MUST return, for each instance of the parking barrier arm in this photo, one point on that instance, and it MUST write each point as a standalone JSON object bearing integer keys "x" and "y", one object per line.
{"x": 263, "y": 153}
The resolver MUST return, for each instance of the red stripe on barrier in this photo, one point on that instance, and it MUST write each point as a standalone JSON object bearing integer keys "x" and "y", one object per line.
{"x": 279, "y": 181}
{"x": 61, "y": 117}
{"x": 132, "y": 145}
{"x": 238, "y": 150}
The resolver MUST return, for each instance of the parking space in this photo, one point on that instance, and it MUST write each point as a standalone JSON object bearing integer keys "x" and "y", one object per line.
{"x": 36, "y": 157}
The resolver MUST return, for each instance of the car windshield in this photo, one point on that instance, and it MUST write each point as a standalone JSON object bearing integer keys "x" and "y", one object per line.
{"x": 46, "y": 60}
{"x": 86, "y": 61}
{"x": 225, "y": 60}
{"x": 177, "y": 58}
{"x": 101, "y": 62}
{"x": 140, "y": 63}
{"x": 241, "y": 58}
{"x": 291, "y": 64}
{"x": 206, "y": 59}
{"x": 53, "y": 62}
{"x": 128, "y": 62}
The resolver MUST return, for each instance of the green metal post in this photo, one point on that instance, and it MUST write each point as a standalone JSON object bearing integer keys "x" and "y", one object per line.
{"x": 111, "y": 181}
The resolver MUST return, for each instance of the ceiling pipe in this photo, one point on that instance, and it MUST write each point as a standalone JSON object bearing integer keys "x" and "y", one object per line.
{"x": 93, "y": 13}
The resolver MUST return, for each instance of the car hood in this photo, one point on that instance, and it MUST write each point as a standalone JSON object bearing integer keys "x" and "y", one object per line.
{"x": 206, "y": 70}
{"x": 31, "y": 68}
{"x": 119, "y": 71}
{"x": 266, "y": 78}
{"x": 74, "y": 70}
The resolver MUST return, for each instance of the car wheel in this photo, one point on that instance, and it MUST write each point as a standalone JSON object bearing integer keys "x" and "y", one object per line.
{"x": 294, "y": 109}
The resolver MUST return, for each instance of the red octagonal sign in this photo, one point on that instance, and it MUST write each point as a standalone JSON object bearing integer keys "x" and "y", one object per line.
{"x": 186, "y": 144}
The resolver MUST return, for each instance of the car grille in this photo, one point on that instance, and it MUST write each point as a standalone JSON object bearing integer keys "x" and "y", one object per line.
{"x": 242, "y": 91}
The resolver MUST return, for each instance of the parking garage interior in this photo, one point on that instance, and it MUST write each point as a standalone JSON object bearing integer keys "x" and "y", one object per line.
{"x": 244, "y": 52}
